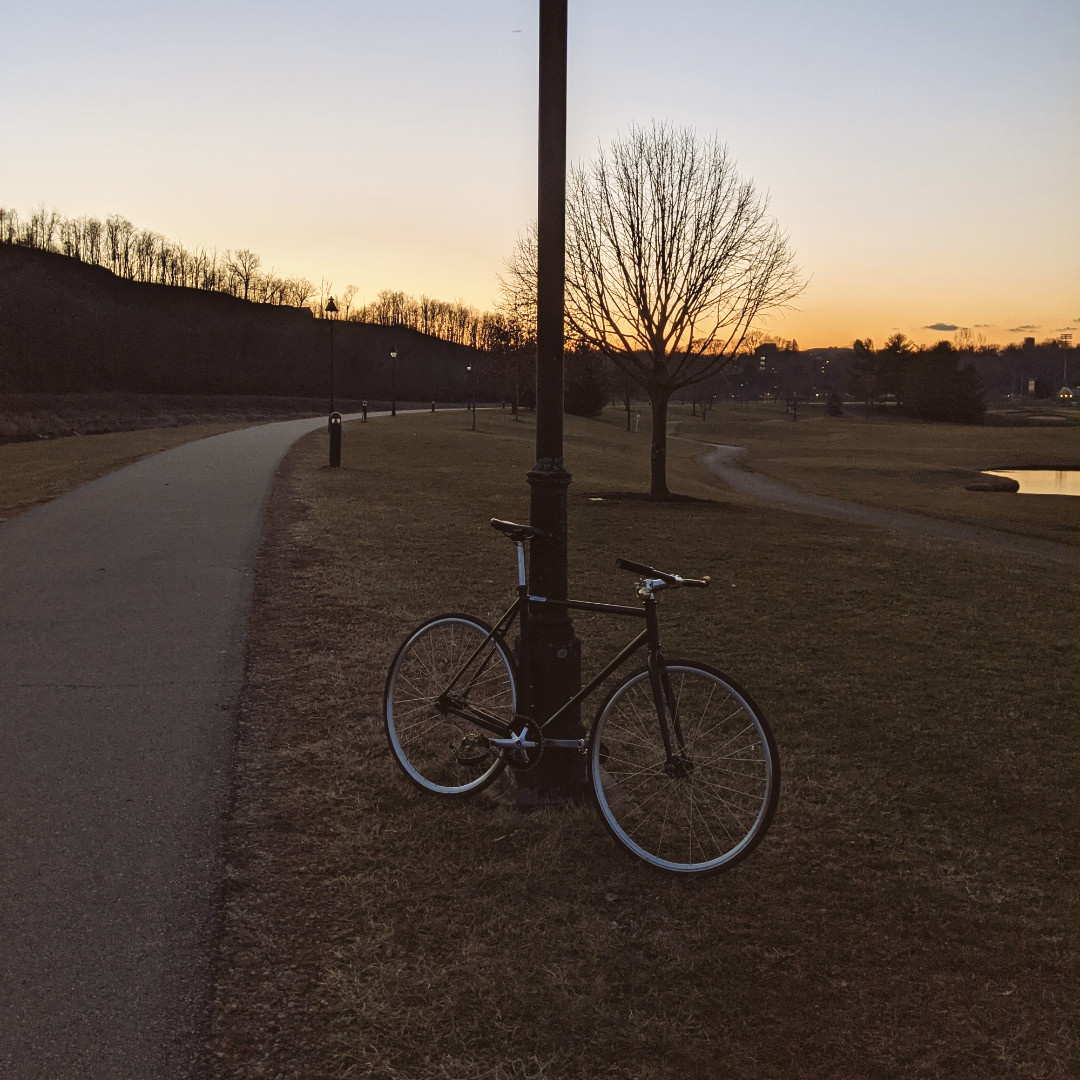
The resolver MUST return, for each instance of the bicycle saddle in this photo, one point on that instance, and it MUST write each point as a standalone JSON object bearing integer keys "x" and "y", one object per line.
{"x": 516, "y": 532}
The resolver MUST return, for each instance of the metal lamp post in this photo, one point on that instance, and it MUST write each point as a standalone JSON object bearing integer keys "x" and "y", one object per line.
{"x": 556, "y": 652}
{"x": 393, "y": 382}
{"x": 334, "y": 423}
{"x": 472, "y": 397}
{"x": 330, "y": 311}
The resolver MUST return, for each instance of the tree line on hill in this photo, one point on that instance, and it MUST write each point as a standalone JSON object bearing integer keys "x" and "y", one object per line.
{"x": 72, "y": 328}
{"x": 141, "y": 256}
{"x": 145, "y": 256}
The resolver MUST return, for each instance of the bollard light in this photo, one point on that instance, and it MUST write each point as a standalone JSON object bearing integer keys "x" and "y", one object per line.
{"x": 393, "y": 382}
{"x": 335, "y": 440}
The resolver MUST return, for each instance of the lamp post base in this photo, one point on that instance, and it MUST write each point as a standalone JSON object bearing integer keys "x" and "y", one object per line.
{"x": 555, "y": 659}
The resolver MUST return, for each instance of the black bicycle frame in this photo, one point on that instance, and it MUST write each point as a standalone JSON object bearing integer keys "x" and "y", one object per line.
{"x": 649, "y": 637}
{"x": 660, "y": 684}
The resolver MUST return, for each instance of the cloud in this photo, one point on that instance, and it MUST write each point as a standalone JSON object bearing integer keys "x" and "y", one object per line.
{"x": 1064, "y": 329}
{"x": 981, "y": 325}
{"x": 944, "y": 326}
{"x": 1021, "y": 329}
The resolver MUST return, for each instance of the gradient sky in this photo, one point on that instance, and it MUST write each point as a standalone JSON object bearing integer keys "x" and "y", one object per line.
{"x": 924, "y": 157}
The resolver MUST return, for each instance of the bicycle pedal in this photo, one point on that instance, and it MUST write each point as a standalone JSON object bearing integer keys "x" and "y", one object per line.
{"x": 472, "y": 750}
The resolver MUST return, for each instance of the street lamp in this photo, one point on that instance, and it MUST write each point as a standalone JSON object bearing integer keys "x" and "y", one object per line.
{"x": 556, "y": 651}
{"x": 471, "y": 403}
{"x": 330, "y": 311}
{"x": 393, "y": 382}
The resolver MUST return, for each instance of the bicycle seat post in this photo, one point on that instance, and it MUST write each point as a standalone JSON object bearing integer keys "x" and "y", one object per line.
{"x": 520, "y": 545}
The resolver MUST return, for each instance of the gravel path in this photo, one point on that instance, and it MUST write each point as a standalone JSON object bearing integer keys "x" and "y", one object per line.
{"x": 123, "y": 610}
{"x": 724, "y": 462}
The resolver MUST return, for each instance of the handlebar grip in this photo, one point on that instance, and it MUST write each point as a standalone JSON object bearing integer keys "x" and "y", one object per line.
{"x": 670, "y": 579}
{"x": 635, "y": 567}
{"x": 646, "y": 571}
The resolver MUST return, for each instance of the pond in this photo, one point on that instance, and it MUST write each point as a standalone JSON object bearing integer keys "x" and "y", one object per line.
{"x": 1043, "y": 481}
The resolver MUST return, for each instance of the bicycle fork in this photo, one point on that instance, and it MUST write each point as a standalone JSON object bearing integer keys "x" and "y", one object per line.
{"x": 678, "y": 765}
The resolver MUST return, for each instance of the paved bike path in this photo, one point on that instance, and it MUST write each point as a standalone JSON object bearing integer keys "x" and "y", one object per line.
{"x": 723, "y": 462}
{"x": 123, "y": 609}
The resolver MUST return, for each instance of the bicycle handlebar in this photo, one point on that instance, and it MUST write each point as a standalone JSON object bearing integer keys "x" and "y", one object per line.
{"x": 673, "y": 580}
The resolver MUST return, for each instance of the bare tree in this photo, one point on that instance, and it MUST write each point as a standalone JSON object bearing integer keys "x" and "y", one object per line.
{"x": 670, "y": 259}
{"x": 518, "y": 287}
{"x": 299, "y": 291}
{"x": 347, "y": 299}
{"x": 243, "y": 264}
{"x": 92, "y": 236}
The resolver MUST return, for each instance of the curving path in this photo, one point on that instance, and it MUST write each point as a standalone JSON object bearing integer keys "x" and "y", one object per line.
{"x": 123, "y": 609}
{"x": 723, "y": 461}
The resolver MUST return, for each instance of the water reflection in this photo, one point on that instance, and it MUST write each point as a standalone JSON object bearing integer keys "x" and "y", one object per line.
{"x": 1043, "y": 481}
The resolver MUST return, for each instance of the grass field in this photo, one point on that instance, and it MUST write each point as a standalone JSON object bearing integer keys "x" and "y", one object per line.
{"x": 912, "y": 912}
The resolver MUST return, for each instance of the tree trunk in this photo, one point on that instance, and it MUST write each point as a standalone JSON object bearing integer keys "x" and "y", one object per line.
{"x": 658, "y": 399}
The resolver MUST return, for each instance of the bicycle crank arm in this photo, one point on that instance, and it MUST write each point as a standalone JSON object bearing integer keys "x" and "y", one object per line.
{"x": 528, "y": 744}
{"x": 567, "y": 744}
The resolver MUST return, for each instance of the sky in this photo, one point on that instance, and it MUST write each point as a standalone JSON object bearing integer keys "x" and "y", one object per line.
{"x": 923, "y": 157}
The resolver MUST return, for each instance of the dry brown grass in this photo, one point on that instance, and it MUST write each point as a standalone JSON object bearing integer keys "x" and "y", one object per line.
{"x": 911, "y": 913}
{"x": 34, "y": 416}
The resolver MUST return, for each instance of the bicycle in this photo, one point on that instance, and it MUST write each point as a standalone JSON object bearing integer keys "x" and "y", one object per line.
{"x": 681, "y": 762}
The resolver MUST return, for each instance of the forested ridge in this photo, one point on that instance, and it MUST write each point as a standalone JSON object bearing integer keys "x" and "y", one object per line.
{"x": 71, "y": 327}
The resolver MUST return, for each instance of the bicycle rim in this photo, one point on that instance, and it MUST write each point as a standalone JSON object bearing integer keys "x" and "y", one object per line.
{"x": 709, "y": 808}
{"x": 438, "y": 749}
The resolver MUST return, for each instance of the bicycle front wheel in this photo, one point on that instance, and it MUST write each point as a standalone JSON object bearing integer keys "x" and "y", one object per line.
{"x": 450, "y": 685}
{"x": 707, "y": 804}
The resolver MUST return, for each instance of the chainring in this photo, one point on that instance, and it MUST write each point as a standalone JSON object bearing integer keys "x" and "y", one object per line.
{"x": 523, "y": 758}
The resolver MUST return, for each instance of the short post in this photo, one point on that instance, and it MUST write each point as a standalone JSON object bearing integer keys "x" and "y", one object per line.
{"x": 363, "y": 412}
{"x": 433, "y": 406}
{"x": 335, "y": 440}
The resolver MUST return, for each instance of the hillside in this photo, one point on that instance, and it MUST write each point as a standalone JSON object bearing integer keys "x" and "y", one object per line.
{"x": 69, "y": 327}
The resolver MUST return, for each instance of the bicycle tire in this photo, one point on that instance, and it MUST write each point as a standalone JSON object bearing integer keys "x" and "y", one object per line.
{"x": 428, "y": 742}
{"x": 707, "y": 816}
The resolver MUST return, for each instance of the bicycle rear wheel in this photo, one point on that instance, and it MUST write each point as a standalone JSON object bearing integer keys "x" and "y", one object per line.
{"x": 441, "y": 703}
{"x": 710, "y": 804}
